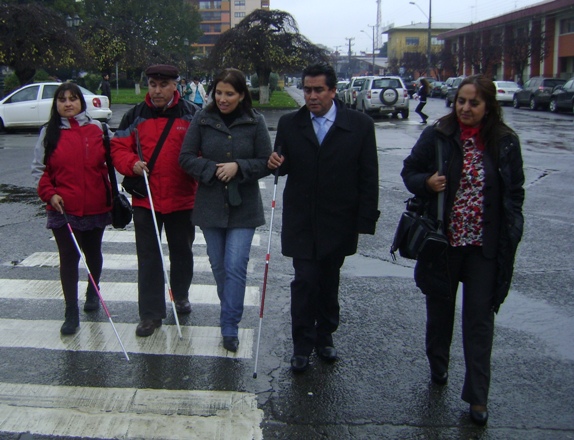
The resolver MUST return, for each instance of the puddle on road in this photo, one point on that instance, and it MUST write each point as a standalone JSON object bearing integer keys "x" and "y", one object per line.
{"x": 20, "y": 194}
{"x": 537, "y": 318}
{"x": 540, "y": 319}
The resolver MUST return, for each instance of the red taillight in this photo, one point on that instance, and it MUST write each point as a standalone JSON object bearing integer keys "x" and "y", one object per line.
{"x": 501, "y": 91}
{"x": 354, "y": 94}
{"x": 405, "y": 94}
{"x": 97, "y": 103}
{"x": 368, "y": 94}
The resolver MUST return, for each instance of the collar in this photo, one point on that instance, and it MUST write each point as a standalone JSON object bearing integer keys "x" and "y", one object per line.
{"x": 330, "y": 115}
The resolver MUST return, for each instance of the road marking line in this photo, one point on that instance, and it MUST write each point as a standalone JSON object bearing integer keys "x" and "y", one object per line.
{"x": 129, "y": 413}
{"x": 111, "y": 291}
{"x": 113, "y": 262}
{"x": 100, "y": 337}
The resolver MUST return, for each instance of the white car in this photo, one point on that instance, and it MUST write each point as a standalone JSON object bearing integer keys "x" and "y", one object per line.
{"x": 384, "y": 95}
{"x": 505, "y": 91}
{"x": 29, "y": 106}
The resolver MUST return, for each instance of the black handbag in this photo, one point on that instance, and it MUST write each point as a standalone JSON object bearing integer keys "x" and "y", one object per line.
{"x": 121, "y": 209}
{"x": 135, "y": 185}
{"x": 418, "y": 236}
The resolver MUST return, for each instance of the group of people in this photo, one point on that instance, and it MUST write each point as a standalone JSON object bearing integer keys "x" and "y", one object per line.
{"x": 207, "y": 174}
{"x": 193, "y": 91}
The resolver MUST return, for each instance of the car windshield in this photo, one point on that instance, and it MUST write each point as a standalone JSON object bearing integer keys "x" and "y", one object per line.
{"x": 507, "y": 85}
{"x": 384, "y": 83}
{"x": 358, "y": 82}
{"x": 554, "y": 82}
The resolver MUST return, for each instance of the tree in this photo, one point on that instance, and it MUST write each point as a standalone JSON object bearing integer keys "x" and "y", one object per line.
{"x": 265, "y": 42}
{"x": 522, "y": 46}
{"x": 482, "y": 52}
{"x": 35, "y": 36}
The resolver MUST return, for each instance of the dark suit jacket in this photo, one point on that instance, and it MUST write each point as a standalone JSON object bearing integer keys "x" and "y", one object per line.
{"x": 332, "y": 190}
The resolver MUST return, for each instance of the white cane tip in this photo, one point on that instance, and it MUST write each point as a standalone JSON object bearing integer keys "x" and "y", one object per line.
{"x": 254, "y": 375}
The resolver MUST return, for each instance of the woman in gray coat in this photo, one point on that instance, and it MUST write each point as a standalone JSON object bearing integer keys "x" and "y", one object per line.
{"x": 226, "y": 150}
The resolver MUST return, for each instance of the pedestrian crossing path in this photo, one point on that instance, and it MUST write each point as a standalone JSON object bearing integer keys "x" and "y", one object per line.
{"x": 127, "y": 413}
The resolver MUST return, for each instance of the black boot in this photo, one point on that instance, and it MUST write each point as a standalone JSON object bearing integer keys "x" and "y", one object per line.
{"x": 92, "y": 299}
{"x": 72, "y": 321}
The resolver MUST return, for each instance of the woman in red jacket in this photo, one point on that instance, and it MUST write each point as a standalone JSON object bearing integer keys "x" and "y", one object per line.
{"x": 75, "y": 179}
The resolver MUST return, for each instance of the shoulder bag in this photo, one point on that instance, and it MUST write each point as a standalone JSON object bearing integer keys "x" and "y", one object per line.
{"x": 418, "y": 236}
{"x": 135, "y": 185}
{"x": 121, "y": 208}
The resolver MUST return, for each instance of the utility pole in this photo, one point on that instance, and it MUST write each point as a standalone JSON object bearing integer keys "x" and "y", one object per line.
{"x": 378, "y": 25}
{"x": 350, "y": 40}
{"x": 336, "y": 58}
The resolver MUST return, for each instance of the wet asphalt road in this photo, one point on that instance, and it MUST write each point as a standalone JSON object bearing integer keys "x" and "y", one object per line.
{"x": 380, "y": 388}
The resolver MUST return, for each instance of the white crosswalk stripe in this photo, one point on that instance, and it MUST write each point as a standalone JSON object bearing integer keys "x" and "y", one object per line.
{"x": 129, "y": 413}
{"x": 52, "y": 289}
{"x": 113, "y": 262}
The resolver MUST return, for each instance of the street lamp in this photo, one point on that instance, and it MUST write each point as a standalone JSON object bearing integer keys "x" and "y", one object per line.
{"x": 373, "y": 27}
{"x": 429, "y": 34}
{"x": 73, "y": 22}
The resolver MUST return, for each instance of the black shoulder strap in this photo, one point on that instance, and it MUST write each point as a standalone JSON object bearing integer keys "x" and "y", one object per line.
{"x": 111, "y": 170}
{"x": 440, "y": 201}
{"x": 160, "y": 143}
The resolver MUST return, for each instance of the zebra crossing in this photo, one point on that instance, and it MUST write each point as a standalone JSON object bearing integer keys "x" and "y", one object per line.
{"x": 131, "y": 412}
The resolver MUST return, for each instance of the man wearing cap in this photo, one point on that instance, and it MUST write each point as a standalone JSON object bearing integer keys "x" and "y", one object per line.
{"x": 164, "y": 115}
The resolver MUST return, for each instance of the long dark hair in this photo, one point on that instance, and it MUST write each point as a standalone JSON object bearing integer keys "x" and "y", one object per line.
{"x": 426, "y": 85}
{"x": 236, "y": 79}
{"x": 493, "y": 126}
{"x": 53, "y": 126}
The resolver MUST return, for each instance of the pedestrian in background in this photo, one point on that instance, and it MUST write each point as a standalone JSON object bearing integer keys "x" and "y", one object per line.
{"x": 226, "y": 149}
{"x": 483, "y": 188}
{"x": 329, "y": 155}
{"x": 197, "y": 93}
{"x": 70, "y": 163}
{"x": 422, "y": 95}
{"x": 106, "y": 88}
{"x": 173, "y": 193}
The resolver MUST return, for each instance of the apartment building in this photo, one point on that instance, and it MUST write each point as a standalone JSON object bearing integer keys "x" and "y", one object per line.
{"x": 220, "y": 15}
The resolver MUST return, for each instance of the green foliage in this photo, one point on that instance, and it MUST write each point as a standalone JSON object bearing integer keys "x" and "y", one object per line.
{"x": 273, "y": 82}
{"x": 10, "y": 83}
{"x": 92, "y": 82}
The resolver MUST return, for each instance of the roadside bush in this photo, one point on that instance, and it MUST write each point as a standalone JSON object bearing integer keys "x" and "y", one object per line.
{"x": 273, "y": 81}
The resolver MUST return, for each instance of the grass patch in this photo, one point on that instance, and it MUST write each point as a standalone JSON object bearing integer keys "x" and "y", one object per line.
{"x": 279, "y": 100}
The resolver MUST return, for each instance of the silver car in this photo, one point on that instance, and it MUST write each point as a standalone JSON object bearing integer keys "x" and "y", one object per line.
{"x": 350, "y": 95}
{"x": 384, "y": 95}
{"x": 29, "y": 106}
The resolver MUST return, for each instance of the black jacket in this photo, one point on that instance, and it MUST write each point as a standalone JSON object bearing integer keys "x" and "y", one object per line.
{"x": 332, "y": 190}
{"x": 503, "y": 198}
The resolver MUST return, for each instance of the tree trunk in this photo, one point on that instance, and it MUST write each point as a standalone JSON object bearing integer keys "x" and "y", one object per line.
{"x": 264, "y": 94}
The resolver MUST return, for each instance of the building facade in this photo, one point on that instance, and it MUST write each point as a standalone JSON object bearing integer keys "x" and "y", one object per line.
{"x": 217, "y": 16}
{"x": 534, "y": 41}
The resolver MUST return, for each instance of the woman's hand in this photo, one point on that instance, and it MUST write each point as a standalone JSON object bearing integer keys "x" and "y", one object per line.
{"x": 57, "y": 203}
{"x": 436, "y": 183}
{"x": 274, "y": 161}
{"x": 140, "y": 167}
{"x": 226, "y": 171}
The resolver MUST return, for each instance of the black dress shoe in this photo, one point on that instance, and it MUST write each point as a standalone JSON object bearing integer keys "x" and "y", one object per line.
{"x": 146, "y": 327}
{"x": 439, "y": 378}
{"x": 327, "y": 353}
{"x": 92, "y": 303}
{"x": 72, "y": 321}
{"x": 183, "y": 306}
{"x": 299, "y": 363}
{"x": 479, "y": 414}
{"x": 231, "y": 343}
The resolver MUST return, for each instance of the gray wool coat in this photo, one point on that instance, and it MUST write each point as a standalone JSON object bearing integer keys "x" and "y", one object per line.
{"x": 208, "y": 142}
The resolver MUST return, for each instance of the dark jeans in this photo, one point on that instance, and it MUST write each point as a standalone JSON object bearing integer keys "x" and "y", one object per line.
{"x": 478, "y": 275}
{"x": 180, "y": 234}
{"x": 91, "y": 244}
{"x": 314, "y": 303}
{"x": 419, "y": 110}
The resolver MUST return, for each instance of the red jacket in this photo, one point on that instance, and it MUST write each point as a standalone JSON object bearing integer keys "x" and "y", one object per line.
{"x": 77, "y": 171}
{"x": 172, "y": 188}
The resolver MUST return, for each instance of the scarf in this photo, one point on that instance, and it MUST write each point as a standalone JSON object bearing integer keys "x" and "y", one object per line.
{"x": 467, "y": 133}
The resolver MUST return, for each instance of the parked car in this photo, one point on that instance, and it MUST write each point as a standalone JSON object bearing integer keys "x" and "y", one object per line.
{"x": 408, "y": 82}
{"x": 505, "y": 91}
{"x": 352, "y": 89}
{"x": 436, "y": 88}
{"x": 384, "y": 95}
{"x": 536, "y": 92}
{"x": 29, "y": 106}
{"x": 341, "y": 86}
{"x": 562, "y": 98}
{"x": 451, "y": 93}
{"x": 417, "y": 83}
{"x": 446, "y": 86}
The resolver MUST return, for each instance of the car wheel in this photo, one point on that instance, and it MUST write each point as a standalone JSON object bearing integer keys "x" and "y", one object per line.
{"x": 405, "y": 113}
{"x": 553, "y": 106}
{"x": 389, "y": 96}
{"x": 533, "y": 105}
{"x": 515, "y": 102}
{"x": 2, "y": 128}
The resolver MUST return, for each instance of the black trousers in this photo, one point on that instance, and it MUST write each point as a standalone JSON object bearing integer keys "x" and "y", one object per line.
{"x": 91, "y": 244}
{"x": 315, "y": 303}
{"x": 180, "y": 234}
{"x": 419, "y": 110}
{"x": 478, "y": 276}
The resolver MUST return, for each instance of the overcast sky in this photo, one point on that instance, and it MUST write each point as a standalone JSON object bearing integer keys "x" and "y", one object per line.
{"x": 330, "y": 22}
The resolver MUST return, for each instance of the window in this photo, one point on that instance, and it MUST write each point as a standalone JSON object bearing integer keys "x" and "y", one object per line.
{"x": 567, "y": 26}
{"x": 211, "y": 16}
{"x": 412, "y": 41}
{"x": 239, "y": 2}
{"x": 29, "y": 94}
{"x": 436, "y": 42}
{"x": 48, "y": 92}
{"x": 239, "y": 14}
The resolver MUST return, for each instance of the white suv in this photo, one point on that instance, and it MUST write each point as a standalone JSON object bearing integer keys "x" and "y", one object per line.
{"x": 350, "y": 94}
{"x": 384, "y": 95}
